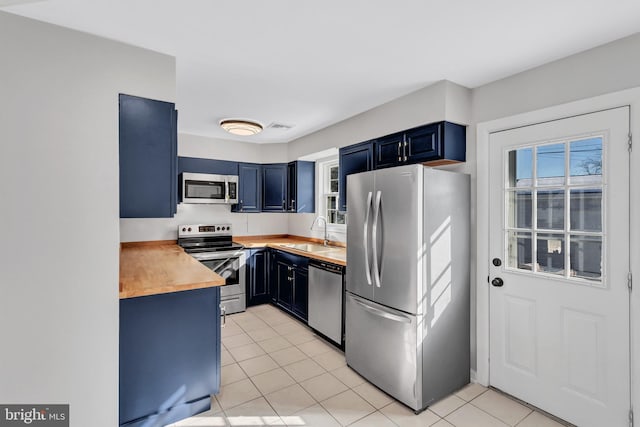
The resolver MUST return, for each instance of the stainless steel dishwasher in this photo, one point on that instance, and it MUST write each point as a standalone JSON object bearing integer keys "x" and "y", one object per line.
{"x": 326, "y": 296}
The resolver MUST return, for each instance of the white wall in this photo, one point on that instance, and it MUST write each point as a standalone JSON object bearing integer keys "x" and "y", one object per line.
{"x": 59, "y": 211}
{"x": 237, "y": 151}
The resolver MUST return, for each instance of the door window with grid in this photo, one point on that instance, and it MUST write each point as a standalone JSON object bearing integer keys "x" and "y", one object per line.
{"x": 554, "y": 209}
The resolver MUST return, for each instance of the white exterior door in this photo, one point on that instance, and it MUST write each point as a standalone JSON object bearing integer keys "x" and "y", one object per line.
{"x": 559, "y": 248}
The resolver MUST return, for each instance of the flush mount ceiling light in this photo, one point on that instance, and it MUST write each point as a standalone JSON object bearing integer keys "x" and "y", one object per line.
{"x": 241, "y": 127}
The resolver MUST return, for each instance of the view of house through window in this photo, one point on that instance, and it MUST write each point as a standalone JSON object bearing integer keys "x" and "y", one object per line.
{"x": 330, "y": 183}
{"x": 554, "y": 199}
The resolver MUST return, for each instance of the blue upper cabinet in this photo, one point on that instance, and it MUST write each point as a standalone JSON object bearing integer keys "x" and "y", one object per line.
{"x": 274, "y": 187}
{"x": 389, "y": 150}
{"x": 301, "y": 187}
{"x": 353, "y": 159}
{"x": 436, "y": 144}
{"x": 148, "y": 158}
{"x": 198, "y": 165}
{"x": 249, "y": 188}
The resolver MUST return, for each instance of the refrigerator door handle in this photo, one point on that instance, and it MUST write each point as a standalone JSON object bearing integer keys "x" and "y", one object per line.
{"x": 366, "y": 239}
{"x": 374, "y": 237}
{"x": 382, "y": 313}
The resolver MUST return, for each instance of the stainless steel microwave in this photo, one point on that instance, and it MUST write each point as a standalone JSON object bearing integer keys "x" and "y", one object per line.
{"x": 208, "y": 188}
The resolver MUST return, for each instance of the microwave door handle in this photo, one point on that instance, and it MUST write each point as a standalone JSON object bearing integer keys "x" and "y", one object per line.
{"x": 226, "y": 191}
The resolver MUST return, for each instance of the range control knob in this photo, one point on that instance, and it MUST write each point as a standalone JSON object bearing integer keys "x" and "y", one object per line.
{"x": 218, "y": 229}
{"x": 189, "y": 229}
{"x": 184, "y": 229}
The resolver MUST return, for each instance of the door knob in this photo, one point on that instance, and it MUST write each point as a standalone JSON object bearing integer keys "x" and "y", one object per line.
{"x": 497, "y": 282}
{"x": 497, "y": 262}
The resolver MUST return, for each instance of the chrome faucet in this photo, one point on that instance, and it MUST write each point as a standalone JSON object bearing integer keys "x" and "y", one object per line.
{"x": 320, "y": 217}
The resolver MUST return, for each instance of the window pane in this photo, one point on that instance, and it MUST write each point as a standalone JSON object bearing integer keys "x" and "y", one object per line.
{"x": 334, "y": 186}
{"x": 331, "y": 202}
{"x": 519, "y": 209}
{"x": 585, "y": 158}
{"x": 586, "y": 257}
{"x": 551, "y": 209}
{"x": 520, "y": 167}
{"x": 519, "y": 250}
{"x": 550, "y": 164}
{"x": 550, "y": 253}
{"x": 586, "y": 209}
{"x": 334, "y": 172}
{"x": 339, "y": 218}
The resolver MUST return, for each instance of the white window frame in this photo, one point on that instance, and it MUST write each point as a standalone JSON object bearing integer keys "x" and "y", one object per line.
{"x": 323, "y": 191}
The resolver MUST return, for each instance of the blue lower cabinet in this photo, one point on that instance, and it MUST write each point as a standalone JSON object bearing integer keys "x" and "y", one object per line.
{"x": 169, "y": 356}
{"x": 291, "y": 282}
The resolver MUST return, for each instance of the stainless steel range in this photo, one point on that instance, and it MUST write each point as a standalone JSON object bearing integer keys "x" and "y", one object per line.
{"x": 212, "y": 245}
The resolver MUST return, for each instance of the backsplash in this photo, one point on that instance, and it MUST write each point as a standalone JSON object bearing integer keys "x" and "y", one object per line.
{"x": 244, "y": 224}
{"x": 300, "y": 225}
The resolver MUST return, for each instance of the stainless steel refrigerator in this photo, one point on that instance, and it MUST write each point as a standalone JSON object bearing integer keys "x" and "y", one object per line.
{"x": 407, "y": 281}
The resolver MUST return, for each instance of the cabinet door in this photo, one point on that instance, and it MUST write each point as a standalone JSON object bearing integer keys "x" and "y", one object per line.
{"x": 258, "y": 289}
{"x": 300, "y": 301}
{"x": 389, "y": 151}
{"x": 147, "y": 158}
{"x": 353, "y": 159}
{"x": 423, "y": 144}
{"x": 273, "y": 276}
{"x": 249, "y": 188}
{"x": 303, "y": 200}
{"x": 274, "y": 187}
{"x": 284, "y": 280}
{"x": 292, "y": 180}
{"x": 149, "y": 326}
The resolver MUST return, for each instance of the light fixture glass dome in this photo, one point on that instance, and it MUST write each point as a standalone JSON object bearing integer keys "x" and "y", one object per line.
{"x": 241, "y": 127}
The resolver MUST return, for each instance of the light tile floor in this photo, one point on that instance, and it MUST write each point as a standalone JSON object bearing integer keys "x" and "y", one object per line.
{"x": 276, "y": 371}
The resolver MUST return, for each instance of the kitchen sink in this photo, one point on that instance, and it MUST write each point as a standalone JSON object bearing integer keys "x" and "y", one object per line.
{"x": 308, "y": 247}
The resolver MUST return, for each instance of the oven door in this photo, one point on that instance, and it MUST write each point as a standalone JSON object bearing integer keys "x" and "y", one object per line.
{"x": 231, "y": 266}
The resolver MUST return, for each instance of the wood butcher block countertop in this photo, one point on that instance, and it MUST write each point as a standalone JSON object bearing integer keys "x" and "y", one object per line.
{"x": 336, "y": 252}
{"x": 151, "y": 268}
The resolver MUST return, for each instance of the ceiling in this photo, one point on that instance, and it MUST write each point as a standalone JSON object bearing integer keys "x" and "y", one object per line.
{"x": 309, "y": 64}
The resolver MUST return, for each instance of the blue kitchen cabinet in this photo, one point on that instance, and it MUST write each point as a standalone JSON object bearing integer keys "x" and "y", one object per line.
{"x": 274, "y": 187}
{"x": 148, "y": 157}
{"x": 301, "y": 179}
{"x": 435, "y": 143}
{"x": 249, "y": 188}
{"x": 257, "y": 276}
{"x": 389, "y": 150}
{"x": 352, "y": 159}
{"x": 169, "y": 356}
{"x": 292, "y": 283}
{"x": 211, "y": 166}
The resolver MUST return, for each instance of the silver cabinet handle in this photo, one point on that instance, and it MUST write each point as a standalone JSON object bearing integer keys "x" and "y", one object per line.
{"x": 374, "y": 237}
{"x": 224, "y": 315}
{"x": 293, "y": 205}
{"x": 366, "y": 238}
{"x": 405, "y": 151}
{"x": 399, "y": 157}
{"x": 284, "y": 205}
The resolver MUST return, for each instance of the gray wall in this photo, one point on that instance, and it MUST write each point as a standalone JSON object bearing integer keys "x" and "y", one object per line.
{"x": 59, "y": 211}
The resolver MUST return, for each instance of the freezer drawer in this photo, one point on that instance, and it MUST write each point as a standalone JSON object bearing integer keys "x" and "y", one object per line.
{"x": 381, "y": 345}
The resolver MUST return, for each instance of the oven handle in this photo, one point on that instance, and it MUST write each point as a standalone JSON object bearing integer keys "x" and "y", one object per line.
{"x": 217, "y": 255}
